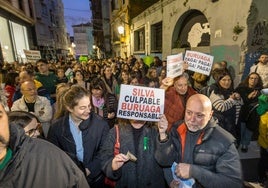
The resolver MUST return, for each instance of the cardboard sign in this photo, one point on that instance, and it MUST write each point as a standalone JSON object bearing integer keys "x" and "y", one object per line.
{"x": 32, "y": 55}
{"x": 199, "y": 62}
{"x": 140, "y": 103}
{"x": 174, "y": 65}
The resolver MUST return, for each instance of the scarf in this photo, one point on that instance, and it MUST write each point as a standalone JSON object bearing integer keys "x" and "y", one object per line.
{"x": 99, "y": 103}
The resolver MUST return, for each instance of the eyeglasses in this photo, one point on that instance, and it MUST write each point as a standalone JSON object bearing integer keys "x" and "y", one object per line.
{"x": 32, "y": 131}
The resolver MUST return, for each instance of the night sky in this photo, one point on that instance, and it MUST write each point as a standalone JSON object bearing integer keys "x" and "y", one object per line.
{"x": 76, "y": 12}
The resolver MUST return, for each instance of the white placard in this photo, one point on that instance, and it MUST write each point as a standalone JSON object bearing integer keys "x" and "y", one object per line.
{"x": 32, "y": 55}
{"x": 199, "y": 62}
{"x": 174, "y": 65}
{"x": 140, "y": 103}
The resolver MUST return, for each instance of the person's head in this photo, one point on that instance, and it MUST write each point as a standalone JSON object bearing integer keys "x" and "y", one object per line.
{"x": 61, "y": 89}
{"x": 42, "y": 66}
{"x": 28, "y": 121}
{"x": 263, "y": 58}
{"x": 152, "y": 73}
{"x": 4, "y": 126}
{"x": 60, "y": 72}
{"x": 137, "y": 124}
{"x": 77, "y": 102}
{"x": 12, "y": 78}
{"x": 97, "y": 88}
{"x": 28, "y": 89}
{"x": 126, "y": 67}
{"x": 163, "y": 73}
{"x": 78, "y": 75}
{"x": 253, "y": 80}
{"x": 26, "y": 75}
{"x": 125, "y": 77}
{"x": 224, "y": 64}
{"x": 225, "y": 80}
{"x": 134, "y": 80}
{"x": 107, "y": 71}
{"x": 181, "y": 83}
{"x": 198, "y": 112}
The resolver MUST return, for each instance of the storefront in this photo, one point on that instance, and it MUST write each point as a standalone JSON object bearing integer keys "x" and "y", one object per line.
{"x": 14, "y": 36}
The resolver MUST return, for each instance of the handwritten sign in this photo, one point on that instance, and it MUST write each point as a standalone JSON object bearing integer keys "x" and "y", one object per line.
{"x": 199, "y": 62}
{"x": 174, "y": 65}
{"x": 140, "y": 103}
{"x": 32, "y": 55}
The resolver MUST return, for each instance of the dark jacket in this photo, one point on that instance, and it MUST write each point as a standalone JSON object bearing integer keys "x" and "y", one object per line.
{"x": 94, "y": 131}
{"x": 216, "y": 161}
{"x": 38, "y": 163}
{"x": 145, "y": 172}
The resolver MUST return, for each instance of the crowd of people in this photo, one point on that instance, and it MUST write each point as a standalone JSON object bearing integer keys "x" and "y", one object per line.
{"x": 73, "y": 105}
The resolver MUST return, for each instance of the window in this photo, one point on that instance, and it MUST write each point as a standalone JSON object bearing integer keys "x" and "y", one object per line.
{"x": 139, "y": 40}
{"x": 156, "y": 37}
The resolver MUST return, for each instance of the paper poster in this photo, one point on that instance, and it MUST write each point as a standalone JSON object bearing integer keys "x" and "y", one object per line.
{"x": 174, "y": 65}
{"x": 199, "y": 62}
{"x": 140, "y": 103}
{"x": 32, "y": 55}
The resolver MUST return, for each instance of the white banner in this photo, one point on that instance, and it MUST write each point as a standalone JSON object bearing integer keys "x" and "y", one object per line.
{"x": 199, "y": 62}
{"x": 32, "y": 55}
{"x": 174, "y": 65}
{"x": 140, "y": 103}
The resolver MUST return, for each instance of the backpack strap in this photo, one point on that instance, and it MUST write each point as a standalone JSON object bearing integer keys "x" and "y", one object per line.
{"x": 256, "y": 69}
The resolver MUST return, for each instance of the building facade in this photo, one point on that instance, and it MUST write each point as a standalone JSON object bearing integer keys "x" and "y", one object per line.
{"x": 32, "y": 25}
{"x": 123, "y": 11}
{"x": 16, "y": 31}
{"x": 101, "y": 15}
{"x": 51, "y": 33}
{"x": 235, "y": 31}
{"x": 83, "y": 39}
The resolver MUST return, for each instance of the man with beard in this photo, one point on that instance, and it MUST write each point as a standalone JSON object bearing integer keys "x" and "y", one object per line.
{"x": 32, "y": 162}
{"x": 202, "y": 150}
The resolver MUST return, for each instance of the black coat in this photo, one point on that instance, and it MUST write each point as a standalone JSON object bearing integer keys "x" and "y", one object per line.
{"x": 94, "y": 131}
{"x": 145, "y": 172}
{"x": 38, "y": 163}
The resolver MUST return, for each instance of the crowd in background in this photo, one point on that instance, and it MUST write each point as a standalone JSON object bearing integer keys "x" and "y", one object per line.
{"x": 82, "y": 94}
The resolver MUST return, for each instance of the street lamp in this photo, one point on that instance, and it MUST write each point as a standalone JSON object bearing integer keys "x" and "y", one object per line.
{"x": 121, "y": 30}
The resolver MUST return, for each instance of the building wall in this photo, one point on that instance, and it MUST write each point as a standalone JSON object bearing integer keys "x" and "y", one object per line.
{"x": 239, "y": 50}
{"x": 16, "y": 20}
{"x": 51, "y": 33}
{"x": 83, "y": 39}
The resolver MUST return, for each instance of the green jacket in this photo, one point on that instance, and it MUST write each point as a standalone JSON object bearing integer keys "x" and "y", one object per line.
{"x": 263, "y": 104}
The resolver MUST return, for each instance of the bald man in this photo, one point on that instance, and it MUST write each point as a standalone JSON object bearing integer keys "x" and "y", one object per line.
{"x": 32, "y": 102}
{"x": 203, "y": 150}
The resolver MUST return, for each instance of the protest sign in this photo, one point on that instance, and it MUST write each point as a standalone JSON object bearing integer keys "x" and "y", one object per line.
{"x": 140, "y": 103}
{"x": 174, "y": 65}
{"x": 199, "y": 62}
{"x": 32, "y": 55}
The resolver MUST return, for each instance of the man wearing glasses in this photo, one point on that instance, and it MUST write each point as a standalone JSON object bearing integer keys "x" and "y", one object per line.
{"x": 27, "y": 162}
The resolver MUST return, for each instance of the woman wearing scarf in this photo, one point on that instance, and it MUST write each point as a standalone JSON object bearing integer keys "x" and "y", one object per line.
{"x": 103, "y": 102}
